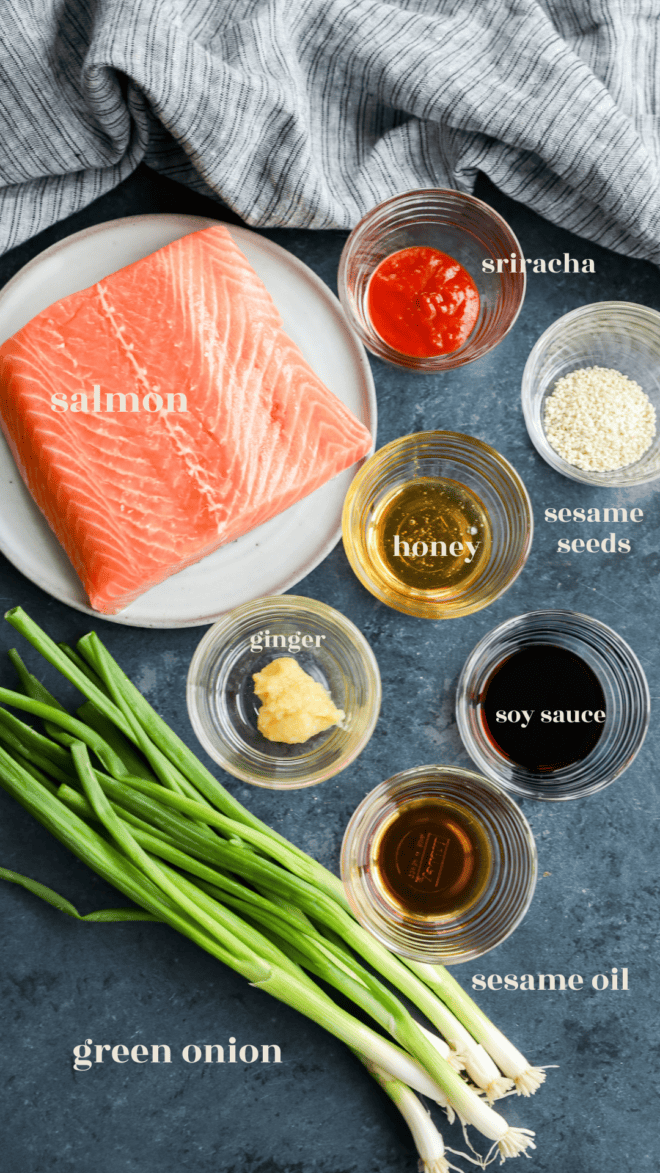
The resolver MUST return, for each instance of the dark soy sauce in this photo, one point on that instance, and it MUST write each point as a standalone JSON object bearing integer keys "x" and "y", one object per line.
{"x": 568, "y": 706}
{"x": 432, "y": 858}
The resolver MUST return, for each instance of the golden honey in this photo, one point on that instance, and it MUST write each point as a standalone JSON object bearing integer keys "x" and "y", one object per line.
{"x": 431, "y": 535}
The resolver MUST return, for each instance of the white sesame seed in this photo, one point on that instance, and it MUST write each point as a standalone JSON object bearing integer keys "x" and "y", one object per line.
{"x": 599, "y": 420}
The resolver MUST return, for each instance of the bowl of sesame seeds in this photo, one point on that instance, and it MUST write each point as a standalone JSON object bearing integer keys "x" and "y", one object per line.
{"x": 591, "y": 394}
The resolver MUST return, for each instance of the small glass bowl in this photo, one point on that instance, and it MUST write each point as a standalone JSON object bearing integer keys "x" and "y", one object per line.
{"x": 455, "y": 457}
{"x": 619, "y": 672}
{"x": 459, "y": 225}
{"x": 223, "y": 707}
{"x": 506, "y": 875}
{"x": 618, "y": 335}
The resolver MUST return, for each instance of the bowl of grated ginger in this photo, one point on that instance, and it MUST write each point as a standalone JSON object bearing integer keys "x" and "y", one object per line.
{"x": 283, "y": 692}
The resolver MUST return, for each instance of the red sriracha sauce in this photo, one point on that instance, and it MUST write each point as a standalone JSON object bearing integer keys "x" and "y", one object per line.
{"x": 422, "y": 302}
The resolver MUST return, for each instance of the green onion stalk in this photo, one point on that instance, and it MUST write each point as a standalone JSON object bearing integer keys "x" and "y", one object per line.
{"x": 427, "y": 1138}
{"x": 490, "y": 1040}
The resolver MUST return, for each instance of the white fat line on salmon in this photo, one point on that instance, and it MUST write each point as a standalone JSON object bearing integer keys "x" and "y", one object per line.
{"x": 196, "y": 470}
{"x": 140, "y": 372}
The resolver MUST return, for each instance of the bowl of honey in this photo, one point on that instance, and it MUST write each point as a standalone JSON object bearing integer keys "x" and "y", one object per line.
{"x": 431, "y": 279}
{"x": 437, "y": 524}
{"x": 439, "y": 864}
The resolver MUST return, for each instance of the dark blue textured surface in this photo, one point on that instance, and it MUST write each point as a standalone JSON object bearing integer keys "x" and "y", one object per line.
{"x": 595, "y": 906}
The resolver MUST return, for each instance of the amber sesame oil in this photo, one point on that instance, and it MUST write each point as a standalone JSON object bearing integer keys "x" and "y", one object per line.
{"x": 430, "y": 537}
{"x": 432, "y": 859}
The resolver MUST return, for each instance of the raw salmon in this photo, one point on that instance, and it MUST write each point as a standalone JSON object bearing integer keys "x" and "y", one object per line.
{"x": 164, "y": 412}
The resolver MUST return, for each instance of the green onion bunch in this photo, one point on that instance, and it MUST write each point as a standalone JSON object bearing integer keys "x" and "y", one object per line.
{"x": 130, "y": 799}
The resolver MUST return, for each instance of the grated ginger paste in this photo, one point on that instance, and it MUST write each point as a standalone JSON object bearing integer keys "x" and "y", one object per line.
{"x": 294, "y": 705}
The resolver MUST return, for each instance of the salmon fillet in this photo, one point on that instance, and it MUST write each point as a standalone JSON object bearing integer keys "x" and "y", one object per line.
{"x": 223, "y": 424}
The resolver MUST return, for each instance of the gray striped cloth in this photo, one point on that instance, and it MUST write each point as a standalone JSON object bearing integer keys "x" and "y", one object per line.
{"x": 308, "y": 112}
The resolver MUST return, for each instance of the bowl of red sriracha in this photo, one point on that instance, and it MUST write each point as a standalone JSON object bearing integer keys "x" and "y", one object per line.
{"x": 429, "y": 281}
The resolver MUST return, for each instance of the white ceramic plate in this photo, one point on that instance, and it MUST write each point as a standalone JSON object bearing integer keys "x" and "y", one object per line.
{"x": 269, "y": 559}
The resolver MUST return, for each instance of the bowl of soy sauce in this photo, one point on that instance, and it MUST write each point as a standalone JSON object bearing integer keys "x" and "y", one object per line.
{"x": 552, "y": 705}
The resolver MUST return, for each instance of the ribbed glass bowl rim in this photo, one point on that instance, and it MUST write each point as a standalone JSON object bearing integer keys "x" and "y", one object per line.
{"x": 406, "y": 447}
{"x": 284, "y": 605}
{"x": 364, "y": 818}
{"x": 532, "y": 403}
{"x": 490, "y": 650}
{"x": 440, "y": 198}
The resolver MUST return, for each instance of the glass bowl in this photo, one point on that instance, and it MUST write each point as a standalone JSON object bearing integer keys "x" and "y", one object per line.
{"x": 469, "y": 464}
{"x": 459, "y": 225}
{"x": 619, "y": 673}
{"x": 618, "y": 335}
{"x": 223, "y": 707}
{"x": 474, "y": 812}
